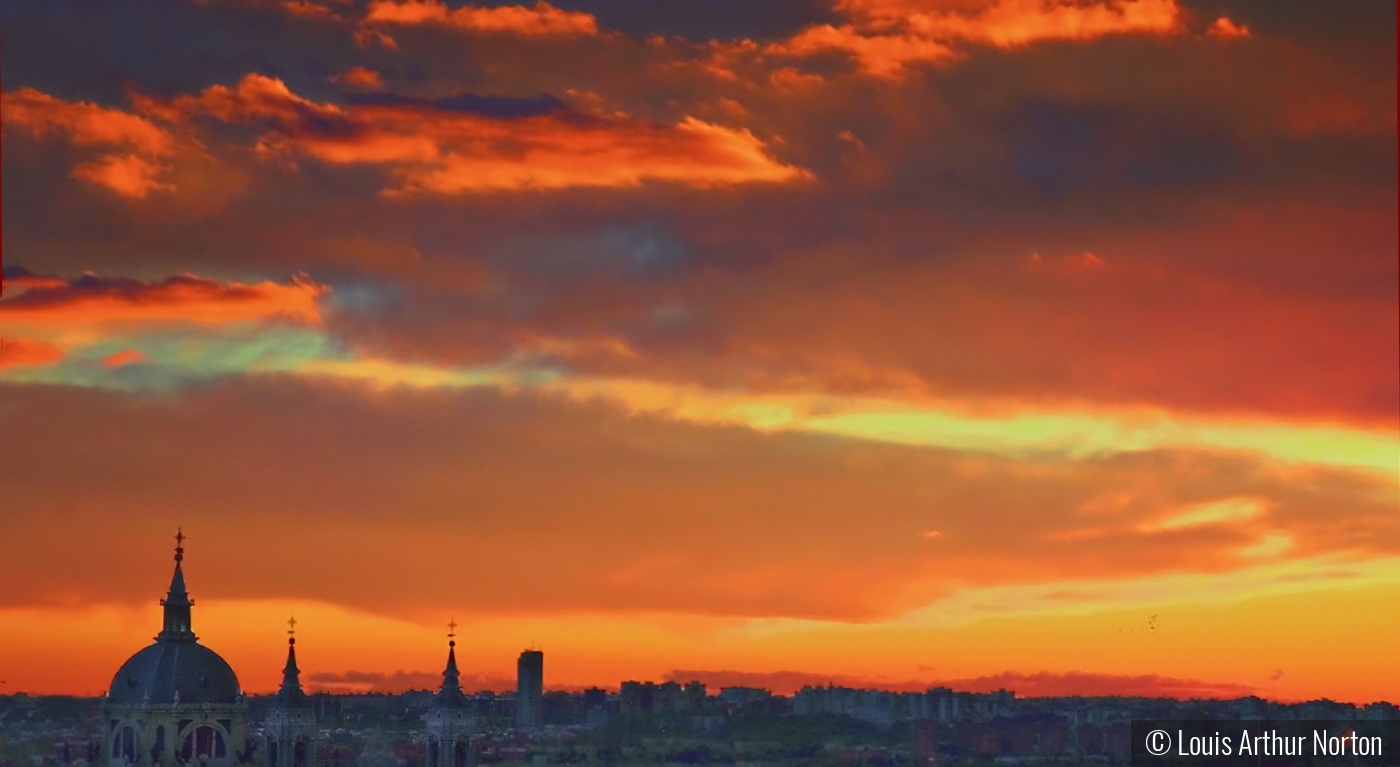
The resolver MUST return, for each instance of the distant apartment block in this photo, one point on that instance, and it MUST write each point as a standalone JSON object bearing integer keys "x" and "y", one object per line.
{"x": 529, "y": 690}
{"x": 883, "y": 707}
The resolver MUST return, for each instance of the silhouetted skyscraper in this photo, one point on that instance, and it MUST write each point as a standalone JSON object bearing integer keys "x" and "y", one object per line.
{"x": 529, "y": 689}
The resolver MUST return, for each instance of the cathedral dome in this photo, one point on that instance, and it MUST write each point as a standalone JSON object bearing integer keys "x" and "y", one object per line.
{"x": 174, "y": 671}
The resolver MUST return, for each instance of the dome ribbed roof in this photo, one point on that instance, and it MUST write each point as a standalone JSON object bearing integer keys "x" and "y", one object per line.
{"x": 154, "y": 675}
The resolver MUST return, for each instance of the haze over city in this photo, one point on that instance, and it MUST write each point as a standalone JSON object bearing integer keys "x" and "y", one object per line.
{"x": 1027, "y": 345}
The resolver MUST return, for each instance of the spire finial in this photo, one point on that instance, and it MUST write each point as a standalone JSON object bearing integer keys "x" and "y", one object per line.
{"x": 291, "y": 695}
{"x": 177, "y": 601}
{"x": 451, "y": 693}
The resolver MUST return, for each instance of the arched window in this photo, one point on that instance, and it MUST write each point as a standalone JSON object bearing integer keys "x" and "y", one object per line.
{"x": 299, "y": 753}
{"x": 272, "y": 754}
{"x": 158, "y": 748}
{"x": 204, "y": 742}
{"x": 433, "y": 755}
{"x": 459, "y": 755}
{"x": 124, "y": 745}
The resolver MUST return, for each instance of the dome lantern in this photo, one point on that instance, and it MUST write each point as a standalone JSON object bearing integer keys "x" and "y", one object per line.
{"x": 177, "y": 602}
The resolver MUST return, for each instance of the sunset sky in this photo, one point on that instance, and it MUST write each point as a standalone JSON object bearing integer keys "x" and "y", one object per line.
{"x": 1031, "y": 344}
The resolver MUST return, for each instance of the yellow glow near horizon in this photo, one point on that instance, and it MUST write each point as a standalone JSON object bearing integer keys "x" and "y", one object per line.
{"x": 1227, "y": 510}
{"x": 1085, "y": 597}
{"x": 1079, "y": 433}
{"x": 1185, "y": 639}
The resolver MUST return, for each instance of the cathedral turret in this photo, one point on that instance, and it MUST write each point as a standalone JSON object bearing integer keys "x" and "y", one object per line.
{"x": 289, "y": 732}
{"x": 451, "y": 695}
{"x": 449, "y": 720}
{"x": 290, "y": 695}
{"x": 177, "y": 602}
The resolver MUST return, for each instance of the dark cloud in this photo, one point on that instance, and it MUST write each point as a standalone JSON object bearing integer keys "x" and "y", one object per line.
{"x": 704, "y": 20}
{"x": 1363, "y": 32}
{"x": 1037, "y": 685}
{"x": 92, "y": 300}
{"x": 1068, "y": 325}
{"x": 93, "y": 51}
{"x": 490, "y": 106}
{"x": 343, "y": 682}
{"x": 1060, "y": 149}
{"x": 641, "y": 250}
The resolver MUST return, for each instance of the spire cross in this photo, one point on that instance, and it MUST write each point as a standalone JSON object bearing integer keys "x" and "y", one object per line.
{"x": 452, "y": 629}
{"x": 179, "y": 537}
{"x": 292, "y": 625}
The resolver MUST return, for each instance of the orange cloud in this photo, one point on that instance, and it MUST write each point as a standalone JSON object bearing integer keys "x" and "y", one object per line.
{"x": 359, "y": 77}
{"x": 254, "y": 98}
{"x": 17, "y": 352}
{"x": 183, "y": 298}
{"x": 609, "y": 153}
{"x": 1307, "y": 113}
{"x": 125, "y": 357}
{"x": 310, "y": 10}
{"x": 540, "y": 20}
{"x": 1011, "y": 23}
{"x": 366, "y": 37}
{"x": 878, "y": 55}
{"x": 83, "y": 122}
{"x": 131, "y": 174}
{"x": 887, "y": 35}
{"x": 1227, "y": 30}
{"x": 27, "y": 280}
{"x": 451, "y": 151}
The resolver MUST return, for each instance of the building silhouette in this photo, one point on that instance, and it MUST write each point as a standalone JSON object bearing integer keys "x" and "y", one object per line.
{"x": 529, "y": 690}
{"x": 449, "y": 720}
{"x": 176, "y": 701}
{"x": 290, "y": 736}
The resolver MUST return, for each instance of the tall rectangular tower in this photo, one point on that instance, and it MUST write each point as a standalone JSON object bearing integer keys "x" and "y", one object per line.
{"x": 529, "y": 689}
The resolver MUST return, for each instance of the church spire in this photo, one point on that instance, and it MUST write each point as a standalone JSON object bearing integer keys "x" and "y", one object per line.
{"x": 177, "y": 603}
{"x": 451, "y": 694}
{"x": 291, "y": 675}
{"x": 291, "y": 693}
